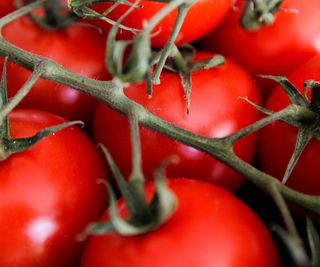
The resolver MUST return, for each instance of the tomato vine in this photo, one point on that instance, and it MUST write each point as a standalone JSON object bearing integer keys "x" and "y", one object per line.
{"x": 112, "y": 94}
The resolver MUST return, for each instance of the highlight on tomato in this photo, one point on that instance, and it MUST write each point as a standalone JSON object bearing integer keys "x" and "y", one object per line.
{"x": 48, "y": 194}
{"x": 202, "y": 17}
{"x": 209, "y": 228}
{"x": 216, "y": 110}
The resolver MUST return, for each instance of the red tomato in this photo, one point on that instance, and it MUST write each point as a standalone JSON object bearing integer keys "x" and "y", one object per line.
{"x": 6, "y": 6}
{"x": 209, "y": 228}
{"x": 48, "y": 194}
{"x": 69, "y": 47}
{"x": 282, "y": 137}
{"x": 202, "y": 17}
{"x": 216, "y": 111}
{"x": 276, "y": 49}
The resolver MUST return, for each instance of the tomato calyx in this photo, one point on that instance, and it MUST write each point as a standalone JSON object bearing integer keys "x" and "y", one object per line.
{"x": 258, "y": 13}
{"x": 55, "y": 14}
{"x": 306, "y": 119}
{"x": 182, "y": 61}
{"x": 143, "y": 215}
{"x": 9, "y": 145}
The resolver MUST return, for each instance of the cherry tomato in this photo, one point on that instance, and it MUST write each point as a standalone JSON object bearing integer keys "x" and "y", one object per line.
{"x": 70, "y": 48}
{"x": 216, "y": 111}
{"x": 277, "y": 141}
{"x": 6, "y": 6}
{"x": 276, "y": 49}
{"x": 202, "y": 17}
{"x": 48, "y": 193}
{"x": 210, "y": 227}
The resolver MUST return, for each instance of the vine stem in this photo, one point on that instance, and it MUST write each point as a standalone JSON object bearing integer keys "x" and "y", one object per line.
{"x": 111, "y": 93}
{"x": 20, "y": 12}
{"x": 182, "y": 13}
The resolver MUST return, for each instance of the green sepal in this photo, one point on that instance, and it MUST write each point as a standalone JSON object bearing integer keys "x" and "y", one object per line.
{"x": 308, "y": 127}
{"x": 315, "y": 94}
{"x": 130, "y": 226}
{"x": 137, "y": 66}
{"x": 258, "y": 13}
{"x": 209, "y": 63}
{"x": 163, "y": 196}
{"x": 186, "y": 82}
{"x": 314, "y": 242}
{"x": 143, "y": 216}
{"x": 304, "y": 136}
{"x": 291, "y": 91}
{"x": 14, "y": 145}
{"x": 257, "y": 107}
{"x": 135, "y": 207}
{"x": 294, "y": 246}
{"x": 10, "y": 145}
{"x": 181, "y": 62}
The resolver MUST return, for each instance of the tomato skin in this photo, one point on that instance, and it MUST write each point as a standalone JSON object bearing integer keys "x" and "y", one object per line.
{"x": 305, "y": 176}
{"x": 6, "y": 6}
{"x": 87, "y": 59}
{"x": 216, "y": 111}
{"x": 48, "y": 194}
{"x": 210, "y": 227}
{"x": 276, "y": 49}
{"x": 202, "y": 17}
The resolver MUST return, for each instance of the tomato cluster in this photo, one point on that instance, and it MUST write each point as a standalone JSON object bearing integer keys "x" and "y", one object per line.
{"x": 49, "y": 193}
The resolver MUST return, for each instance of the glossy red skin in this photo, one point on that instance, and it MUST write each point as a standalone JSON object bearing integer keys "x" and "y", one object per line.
{"x": 276, "y": 49}
{"x": 6, "y": 6}
{"x": 209, "y": 228}
{"x": 281, "y": 138}
{"x": 48, "y": 194}
{"x": 70, "y": 48}
{"x": 216, "y": 111}
{"x": 202, "y": 17}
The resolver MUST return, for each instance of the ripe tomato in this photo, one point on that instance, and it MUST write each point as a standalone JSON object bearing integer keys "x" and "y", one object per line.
{"x": 210, "y": 227}
{"x": 48, "y": 193}
{"x": 216, "y": 111}
{"x": 305, "y": 177}
{"x": 69, "y": 48}
{"x": 6, "y": 6}
{"x": 202, "y": 17}
{"x": 276, "y": 49}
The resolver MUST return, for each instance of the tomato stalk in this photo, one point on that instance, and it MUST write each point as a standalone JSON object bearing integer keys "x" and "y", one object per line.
{"x": 290, "y": 236}
{"x": 314, "y": 242}
{"x": 182, "y": 12}
{"x": 111, "y": 93}
{"x": 143, "y": 216}
{"x": 82, "y": 10}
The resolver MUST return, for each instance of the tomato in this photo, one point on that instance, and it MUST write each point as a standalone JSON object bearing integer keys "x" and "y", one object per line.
{"x": 210, "y": 227}
{"x": 48, "y": 193}
{"x": 276, "y": 49}
{"x": 203, "y": 16}
{"x": 305, "y": 177}
{"x": 6, "y": 6}
{"x": 70, "y": 48}
{"x": 216, "y": 111}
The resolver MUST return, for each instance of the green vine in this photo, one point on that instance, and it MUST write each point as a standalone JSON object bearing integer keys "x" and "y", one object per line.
{"x": 301, "y": 112}
{"x": 112, "y": 94}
